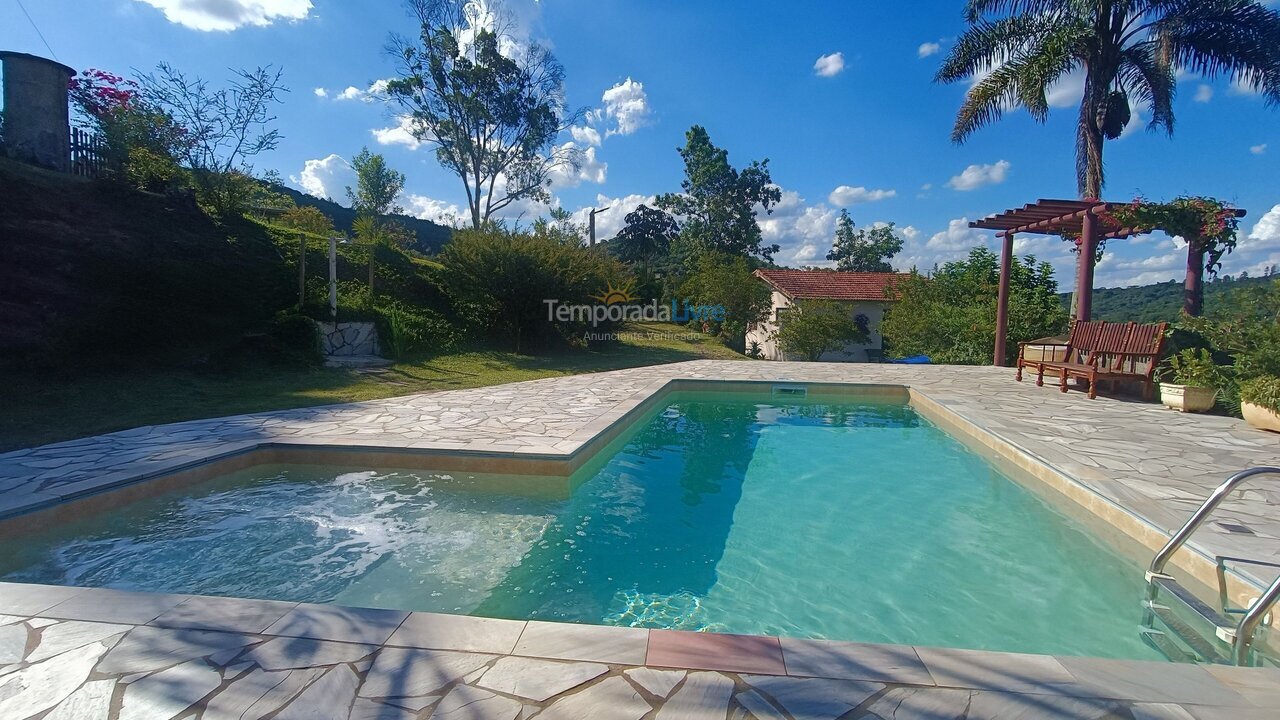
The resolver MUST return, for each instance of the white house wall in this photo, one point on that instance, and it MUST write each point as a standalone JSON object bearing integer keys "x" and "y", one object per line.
{"x": 762, "y": 333}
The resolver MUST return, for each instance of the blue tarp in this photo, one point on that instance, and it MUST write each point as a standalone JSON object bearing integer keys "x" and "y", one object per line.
{"x": 913, "y": 360}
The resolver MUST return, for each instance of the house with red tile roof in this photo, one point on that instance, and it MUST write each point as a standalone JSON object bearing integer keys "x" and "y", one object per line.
{"x": 867, "y": 295}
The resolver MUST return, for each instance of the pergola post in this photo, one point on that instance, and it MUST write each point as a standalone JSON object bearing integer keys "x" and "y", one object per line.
{"x": 1084, "y": 276}
{"x": 1002, "y": 300}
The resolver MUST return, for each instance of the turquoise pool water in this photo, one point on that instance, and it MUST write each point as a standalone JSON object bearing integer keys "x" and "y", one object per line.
{"x": 721, "y": 512}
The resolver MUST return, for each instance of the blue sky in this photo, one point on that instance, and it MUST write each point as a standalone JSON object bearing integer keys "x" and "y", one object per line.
{"x": 838, "y": 95}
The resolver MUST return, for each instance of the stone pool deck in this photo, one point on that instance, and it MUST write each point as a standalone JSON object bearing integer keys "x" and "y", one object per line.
{"x": 102, "y": 653}
{"x": 90, "y": 653}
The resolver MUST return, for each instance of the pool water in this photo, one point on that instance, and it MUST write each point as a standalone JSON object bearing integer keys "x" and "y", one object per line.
{"x": 724, "y": 512}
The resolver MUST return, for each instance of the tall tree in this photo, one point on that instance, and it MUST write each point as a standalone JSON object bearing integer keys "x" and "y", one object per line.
{"x": 1128, "y": 50}
{"x": 223, "y": 128}
{"x": 377, "y": 185}
{"x": 490, "y": 102}
{"x": 865, "y": 249}
{"x": 718, "y": 202}
{"x": 647, "y": 234}
{"x": 951, "y": 315}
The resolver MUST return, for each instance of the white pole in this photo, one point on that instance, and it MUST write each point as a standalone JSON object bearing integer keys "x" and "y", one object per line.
{"x": 333, "y": 278}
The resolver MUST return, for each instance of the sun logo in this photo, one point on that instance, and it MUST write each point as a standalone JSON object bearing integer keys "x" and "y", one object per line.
{"x": 614, "y": 295}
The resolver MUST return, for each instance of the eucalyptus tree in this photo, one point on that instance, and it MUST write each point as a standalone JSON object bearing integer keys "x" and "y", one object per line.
{"x": 489, "y": 100}
{"x": 1129, "y": 51}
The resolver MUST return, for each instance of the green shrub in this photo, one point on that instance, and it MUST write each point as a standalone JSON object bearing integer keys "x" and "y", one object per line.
{"x": 1194, "y": 368}
{"x": 814, "y": 327}
{"x": 727, "y": 280}
{"x": 295, "y": 338}
{"x": 500, "y": 281}
{"x": 951, "y": 315}
{"x": 1263, "y": 390}
{"x": 406, "y": 331}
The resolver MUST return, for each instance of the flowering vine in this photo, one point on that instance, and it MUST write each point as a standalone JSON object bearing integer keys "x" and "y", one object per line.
{"x": 1207, "y": 225}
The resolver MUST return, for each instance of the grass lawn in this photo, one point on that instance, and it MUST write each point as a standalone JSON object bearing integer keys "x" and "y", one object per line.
{"x": 41, "y": 409}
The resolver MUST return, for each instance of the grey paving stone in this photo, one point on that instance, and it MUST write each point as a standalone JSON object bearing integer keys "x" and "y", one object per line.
{"x": 31, "y": 599}
{"x": 658, "y": 682}
{"x": 814, "y": 697}
{"x": 612, "y": 698}
{"x": 36, "y": 688}
{"x": 703, "y": 694}
{"x": 228, "y": 614}
{"x": 91, "y": 702}
{"x": 1011, "y": 672}
{"x": 410, "y": 672}
{"x": 465, "y": 703}
{"x": 169, "y": 691}
{"x": 590, "y": 643}
{"x": 114, "y": 606}
{"x": 915, "y": 703}
{"x": 1149, "y": 681}
{"x": 335, "y": 622}
{"x": 283, "y": 653}
{"x": 537, "y": 679}
{"x": 146, "y": 648}
{"x": 458, "y": 632}
{"x": 991, "y": 705}
{"x": 365, "y": 709}
{"x": 854, "y": 661}
{"x": 259, "y": 693}
{"x": 1260, "y": 686}
{"x": 332, "y": 695}
{"x": 1217, "y": 712}
{"x": 759, "y": 708}
{"x": 1159, "y": 711}
{"x": 13, "y": 643}
{"x": 63, "y": 636}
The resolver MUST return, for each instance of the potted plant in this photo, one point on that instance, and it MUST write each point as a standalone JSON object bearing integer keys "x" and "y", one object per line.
{"x": 1194, "y": 381}
{"x": 1260, "y": 402}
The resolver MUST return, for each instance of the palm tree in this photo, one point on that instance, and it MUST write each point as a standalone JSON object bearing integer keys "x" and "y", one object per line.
{"x": 1129, "y": 51}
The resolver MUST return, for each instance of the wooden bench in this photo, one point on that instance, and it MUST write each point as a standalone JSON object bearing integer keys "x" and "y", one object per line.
{"x": 1098, "y": 352}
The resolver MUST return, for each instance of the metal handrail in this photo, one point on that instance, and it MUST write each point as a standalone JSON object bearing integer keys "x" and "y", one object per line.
{"x": 1249, "y": 623}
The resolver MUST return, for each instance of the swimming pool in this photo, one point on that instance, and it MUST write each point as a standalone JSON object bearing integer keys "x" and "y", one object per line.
{"x": 824, "y": 516}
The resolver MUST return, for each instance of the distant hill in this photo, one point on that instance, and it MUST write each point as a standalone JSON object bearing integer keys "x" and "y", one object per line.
{"x": 1161, "y": 302}
{"x": 430, "y": 236}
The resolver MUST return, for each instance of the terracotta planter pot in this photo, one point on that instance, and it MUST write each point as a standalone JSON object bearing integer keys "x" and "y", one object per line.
{"x": 1260, "y": 417}
{"x": 1185, "y": 398}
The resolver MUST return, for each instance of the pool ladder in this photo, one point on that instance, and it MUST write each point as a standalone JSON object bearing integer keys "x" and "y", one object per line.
{"x": 1206, "y": 634}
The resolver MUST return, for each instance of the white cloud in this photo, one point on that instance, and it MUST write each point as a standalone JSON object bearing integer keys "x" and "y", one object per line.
{"x": 609, "y": 222}
{"x": 321, "y": 92}
{"x": 1265, "y": 234}
{"x": 910, "y": 232}
{"x": 957, "y": 237}
{"x": 325, "y": 178}
{"x": 225, "y": 15}
{"x": 845, "y": 195}
{"x": 421, "y": 206}
{"x": 592, "y": 170}
{"x": 399, "y": 134}
{"x": 795, "y": 226}
{"x": 927, "y": 49}
{"x": 829, "y": 65}
{"x": 1067, "y": 91}
{"x": 976, "y": 176}
{"x": 1204, "y": 93}
{"x": 1258, "y": 149}
{"x": 585, "y": 134}
{"x": 377, "y": 90}
{"x": 628, "y": 105}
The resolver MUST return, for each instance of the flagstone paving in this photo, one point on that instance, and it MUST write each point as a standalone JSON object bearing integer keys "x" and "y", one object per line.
{"x": 92, "y": 653}
{"x": 84, "y": 670}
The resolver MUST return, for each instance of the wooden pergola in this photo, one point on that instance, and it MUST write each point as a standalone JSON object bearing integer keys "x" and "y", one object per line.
{"x": 1071, "y": 218}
